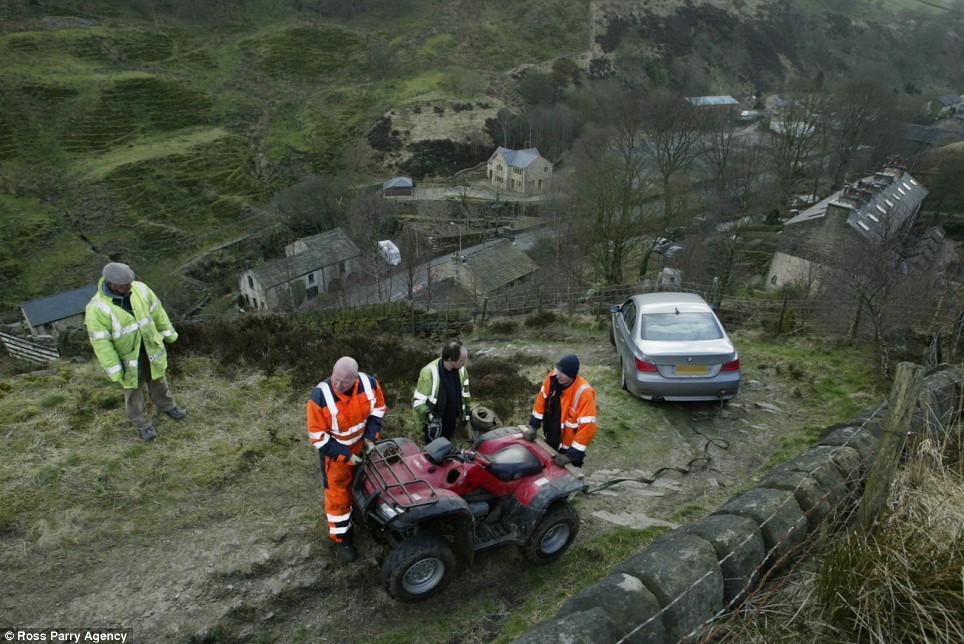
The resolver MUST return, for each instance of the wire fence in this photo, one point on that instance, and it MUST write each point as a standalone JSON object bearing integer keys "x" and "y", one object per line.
{"x": 774, "y": 560}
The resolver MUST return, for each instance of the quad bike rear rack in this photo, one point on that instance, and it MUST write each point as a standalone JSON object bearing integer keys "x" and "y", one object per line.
{"x": 383, "y": 467}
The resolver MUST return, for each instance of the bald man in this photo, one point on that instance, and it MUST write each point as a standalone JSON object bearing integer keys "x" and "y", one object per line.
{"x": 344, "y": 414}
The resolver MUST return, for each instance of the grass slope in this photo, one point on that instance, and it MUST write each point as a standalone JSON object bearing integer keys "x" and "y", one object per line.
{"x": 77, "y": 485}
{"x": 153, "y": 132}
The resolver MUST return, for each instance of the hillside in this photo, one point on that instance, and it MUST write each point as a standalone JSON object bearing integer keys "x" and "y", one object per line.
{"x": 150, "y": 132}
{"x": 215, "y": 530}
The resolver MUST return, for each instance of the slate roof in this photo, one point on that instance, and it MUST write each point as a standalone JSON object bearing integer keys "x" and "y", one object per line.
{"x": 882, "y": 205}
{"x": 59, "y": 306}
{"x": 886, "y": 198}
{"x": 947, "y": 100}
{"x": 516, "y": 158}
{"x": 497, "y": 265}
{"x": 924, "y": 134}
{"x": 323, "y": 250}
{"x": 712, "y": 101}
{"x": 398, "y": 182}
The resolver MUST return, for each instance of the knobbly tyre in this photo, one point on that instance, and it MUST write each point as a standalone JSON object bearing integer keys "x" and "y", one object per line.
{"x": 437, "y": 507}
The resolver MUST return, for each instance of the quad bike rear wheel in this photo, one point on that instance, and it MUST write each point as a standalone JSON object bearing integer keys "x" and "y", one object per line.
{"x": 553, "y": 535}
{"x": 418, "y": 568}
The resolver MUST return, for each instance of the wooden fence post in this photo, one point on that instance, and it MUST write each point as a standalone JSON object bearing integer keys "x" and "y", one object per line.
{"x": 783, "y": 310}
{"x": 903, "y": 399}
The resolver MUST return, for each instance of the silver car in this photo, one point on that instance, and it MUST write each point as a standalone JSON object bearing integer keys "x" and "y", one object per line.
{"x": 672, "y": 347}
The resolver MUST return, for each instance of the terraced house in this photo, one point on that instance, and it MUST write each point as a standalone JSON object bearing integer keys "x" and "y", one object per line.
{"x": 311, "y": 266}
{"x": 882, "y": 205}
{"x": 521, "y": 171}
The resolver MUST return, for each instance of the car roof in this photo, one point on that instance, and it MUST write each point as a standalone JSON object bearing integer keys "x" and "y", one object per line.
{"x": 669, "y": 302}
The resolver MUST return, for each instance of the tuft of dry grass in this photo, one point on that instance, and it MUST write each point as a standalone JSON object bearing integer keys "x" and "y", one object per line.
{"x": 903, "y": 582}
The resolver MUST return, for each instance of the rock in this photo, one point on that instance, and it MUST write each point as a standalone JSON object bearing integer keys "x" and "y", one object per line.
{"x": 765, "y": 406}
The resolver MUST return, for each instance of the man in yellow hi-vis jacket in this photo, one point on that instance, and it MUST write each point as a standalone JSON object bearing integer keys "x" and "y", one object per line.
{"x": 128, "y": 329}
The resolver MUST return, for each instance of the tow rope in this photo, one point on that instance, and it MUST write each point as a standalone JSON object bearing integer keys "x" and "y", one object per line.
{"x": 719, "y": 442}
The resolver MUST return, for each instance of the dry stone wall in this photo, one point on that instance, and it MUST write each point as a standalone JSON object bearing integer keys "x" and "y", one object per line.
{"x": 695, "y": 572}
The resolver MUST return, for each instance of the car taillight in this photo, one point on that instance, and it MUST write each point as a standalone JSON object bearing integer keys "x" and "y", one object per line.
{"x": 642, "y": 365}
{"x": 732, "y": 365}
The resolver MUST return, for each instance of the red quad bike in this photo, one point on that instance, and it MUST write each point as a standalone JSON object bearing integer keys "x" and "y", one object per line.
{"x": 441, "y": 505}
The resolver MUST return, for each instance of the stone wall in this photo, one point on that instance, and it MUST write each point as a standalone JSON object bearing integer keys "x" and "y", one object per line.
{"x": 695, "y": 572}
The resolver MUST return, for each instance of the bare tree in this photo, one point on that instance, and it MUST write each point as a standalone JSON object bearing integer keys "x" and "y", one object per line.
{"x": 553, "y": 129}
{"x": 871, "y": 275}
{"x": 416, "y": 250}
{"x": 858, "y": 108}
{"x": 610, "y": 181}
{"x": 720, "y": 141}
{"x": 314, "y": 205}
{"x": 367, "y": 219}
{"x": 674, "y": 132}
{"x": 793, "y": 136}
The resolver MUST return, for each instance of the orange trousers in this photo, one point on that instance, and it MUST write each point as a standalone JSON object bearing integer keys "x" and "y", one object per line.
{"x": 338, "y": 476}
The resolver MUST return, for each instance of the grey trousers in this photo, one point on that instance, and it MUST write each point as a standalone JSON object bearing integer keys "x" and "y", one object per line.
{"x": 157, "y": 389}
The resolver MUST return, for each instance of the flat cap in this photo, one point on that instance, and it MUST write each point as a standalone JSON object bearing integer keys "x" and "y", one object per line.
{"x": 117, "y": 273}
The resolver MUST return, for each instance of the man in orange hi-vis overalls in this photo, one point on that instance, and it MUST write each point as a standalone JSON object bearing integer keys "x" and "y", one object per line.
{"x": 566, "y": 409}
{"x": 344, "y": 414}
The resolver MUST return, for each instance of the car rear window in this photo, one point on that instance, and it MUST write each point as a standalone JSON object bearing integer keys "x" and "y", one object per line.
{"x": 673, "y": 327}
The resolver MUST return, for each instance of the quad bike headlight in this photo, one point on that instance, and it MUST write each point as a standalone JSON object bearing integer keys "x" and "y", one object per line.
{"x": 387, "y": 512}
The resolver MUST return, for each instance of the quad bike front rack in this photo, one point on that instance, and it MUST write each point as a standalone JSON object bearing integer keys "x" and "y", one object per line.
{"x": 396, "y": 479}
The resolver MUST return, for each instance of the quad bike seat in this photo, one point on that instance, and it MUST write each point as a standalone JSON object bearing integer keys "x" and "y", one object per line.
{"x": 513, "y": 462}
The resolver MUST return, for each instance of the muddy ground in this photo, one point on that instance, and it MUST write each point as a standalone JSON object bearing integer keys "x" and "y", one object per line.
{"x": 261, "y": 575}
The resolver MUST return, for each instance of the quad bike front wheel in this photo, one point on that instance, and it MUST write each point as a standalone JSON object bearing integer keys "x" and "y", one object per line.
{"x": 553, "y": 535}
{"x": 418, "y": 568}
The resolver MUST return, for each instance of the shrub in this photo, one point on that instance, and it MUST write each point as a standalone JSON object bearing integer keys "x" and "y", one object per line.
{"x": 541, "y": 319}
{"x": 503, "y": 327}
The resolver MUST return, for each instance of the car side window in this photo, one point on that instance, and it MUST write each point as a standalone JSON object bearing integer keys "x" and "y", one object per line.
{"x": 629, "y": 314}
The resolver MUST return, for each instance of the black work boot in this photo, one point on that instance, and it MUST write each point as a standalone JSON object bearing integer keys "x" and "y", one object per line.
{"x": 346, "y": 552}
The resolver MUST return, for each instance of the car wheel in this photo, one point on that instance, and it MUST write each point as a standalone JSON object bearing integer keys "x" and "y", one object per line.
{"x": 553, "y": 535}
{"x": 418, "y": 568}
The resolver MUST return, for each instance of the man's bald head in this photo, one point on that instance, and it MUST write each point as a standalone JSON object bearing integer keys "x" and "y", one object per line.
{"x": 343, "y": 374}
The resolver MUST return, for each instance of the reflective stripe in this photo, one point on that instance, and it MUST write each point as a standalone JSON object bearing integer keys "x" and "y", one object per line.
{"x": 330, "y": 403}
{"x": 569, "y": 423}
{"x": 419, "y": 398}
{"x": 114, "y": 322}
{"x": 339, "y": 529}
{"x": 377, "y": 413}
{"x": 142, "y": 288}
{"x": 537, "y": 415}
{"x": 579, "y": 446}
{"x": 314, "y": 436}
{"x": 587, "y": 419}
{"x": 433, "y": 397}
{"x": 96, "y": 335}
{"x": 335, "y": 518}
{"x": 347, "y": 432}
{"x": 130, "y": 363}
{"x": 167, "y": 333}
{"x": 157, "y": 354}
{"x": 417, "y": 403}
{"x": 575, "y": 399}
{"x": 114, "y": 369}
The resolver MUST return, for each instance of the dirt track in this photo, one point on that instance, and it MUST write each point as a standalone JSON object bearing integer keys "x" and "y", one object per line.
{"x": 262, "y": 573}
